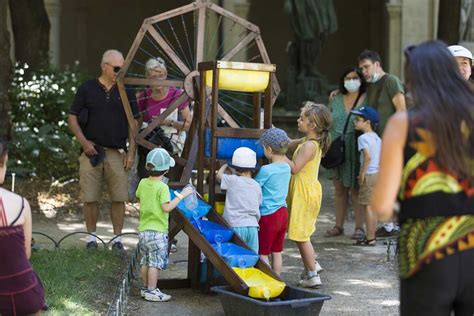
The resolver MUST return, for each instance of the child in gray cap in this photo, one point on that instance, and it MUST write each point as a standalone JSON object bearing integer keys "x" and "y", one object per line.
{"x": 274, "y": 179}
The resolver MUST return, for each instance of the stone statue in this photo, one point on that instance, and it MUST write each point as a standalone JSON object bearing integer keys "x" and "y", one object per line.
{"x": 312, "y": 21}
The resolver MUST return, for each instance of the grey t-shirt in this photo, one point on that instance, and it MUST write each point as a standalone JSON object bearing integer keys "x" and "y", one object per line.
{"x": 242, "y": 202}
{"x": 373, "y": 143}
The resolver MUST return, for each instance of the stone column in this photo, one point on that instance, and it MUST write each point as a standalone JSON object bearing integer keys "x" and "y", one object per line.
{"x": 394, "y": 63}
{"x": 53, "y": 8}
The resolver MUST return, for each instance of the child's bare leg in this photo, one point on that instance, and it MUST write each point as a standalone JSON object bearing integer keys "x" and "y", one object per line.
{"x": 144, "y": 273}
{"x": 370, "y": 222}
{"x": 152, "y": 278}
{"x": 264, "y": 258}
{"x": 307, "y": 254}
{"x": 277, "y": 262}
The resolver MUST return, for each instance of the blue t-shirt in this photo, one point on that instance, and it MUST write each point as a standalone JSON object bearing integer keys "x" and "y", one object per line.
{"x": 274, "y": 179}
{"x": 373, "y": 143}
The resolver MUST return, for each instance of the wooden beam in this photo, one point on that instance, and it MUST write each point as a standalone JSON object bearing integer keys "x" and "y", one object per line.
{"x": 244, "y": 42}
{"x": 201, "y": 116}
{"x": 213, "y": 126}
{"x": 239, "y": 133}
{"x": 266, "y": 59}
{"x": 126, "y": 106}
{"x": 153, "y": 82}
{"x": 257, "y": 105}
{"x": 200, "y": 33}
{"x": 268, "y": 105}
{"x": 133, "y": 50}
{"x": 168, "y": 50}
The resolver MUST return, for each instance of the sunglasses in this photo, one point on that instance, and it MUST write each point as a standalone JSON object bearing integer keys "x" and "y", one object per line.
{"x": 116, "y": 68}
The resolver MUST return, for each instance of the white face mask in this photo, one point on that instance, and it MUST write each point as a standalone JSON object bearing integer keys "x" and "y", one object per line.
{"x": 352, "y": 85}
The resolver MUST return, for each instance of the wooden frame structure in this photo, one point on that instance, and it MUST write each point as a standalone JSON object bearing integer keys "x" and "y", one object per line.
{"x": 190, "y": 82}
{"x": 206, "y": 117}
{"x": 216, "y": 132}
{"x": 204, "y": 113}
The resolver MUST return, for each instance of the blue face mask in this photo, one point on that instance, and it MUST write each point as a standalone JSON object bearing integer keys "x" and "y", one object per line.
{"x": 352, "y": 85}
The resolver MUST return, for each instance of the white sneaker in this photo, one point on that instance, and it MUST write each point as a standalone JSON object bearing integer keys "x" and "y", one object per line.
{"x": 143, "y": 291}
{"x": 319, "y": 269}
{"x": 156, "y": 296}
{"x": 314, "y": 281}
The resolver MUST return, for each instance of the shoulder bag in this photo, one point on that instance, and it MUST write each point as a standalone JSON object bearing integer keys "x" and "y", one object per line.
{"x": 335, "y": 156}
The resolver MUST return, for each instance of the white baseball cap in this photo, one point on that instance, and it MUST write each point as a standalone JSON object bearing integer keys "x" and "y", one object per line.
{"x": 244, "y": 158}
{"x": 460, "y": 51}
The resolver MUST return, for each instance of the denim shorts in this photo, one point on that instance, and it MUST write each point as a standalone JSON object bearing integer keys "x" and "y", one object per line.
{"x": 154, "y": 249}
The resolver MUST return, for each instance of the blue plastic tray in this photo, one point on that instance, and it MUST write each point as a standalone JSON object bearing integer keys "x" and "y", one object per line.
{"x": 201, "y": 210}
{"x": 227, "y": 145}
{"x": 236, "y": 256}
{"x": 211, "y": 231}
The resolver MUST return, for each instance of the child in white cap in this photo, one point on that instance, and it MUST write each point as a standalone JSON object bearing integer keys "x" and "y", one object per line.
{"x": 243, "y": 197}
{"x": 463, "y": 58}
{"x": 155, "y": 205}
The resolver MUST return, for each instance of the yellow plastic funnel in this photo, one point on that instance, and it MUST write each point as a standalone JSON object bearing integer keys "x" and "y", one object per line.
{"x": 260, "y": 284}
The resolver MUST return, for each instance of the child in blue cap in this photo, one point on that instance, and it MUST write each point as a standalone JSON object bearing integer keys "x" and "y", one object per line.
{"x": 369, "y": 145}
{"x": 155, "y": 206}
{"x": 274, "y": 179}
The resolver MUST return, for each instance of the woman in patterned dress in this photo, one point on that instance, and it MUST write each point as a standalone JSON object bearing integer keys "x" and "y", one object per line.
{"x": 428, "y": 161}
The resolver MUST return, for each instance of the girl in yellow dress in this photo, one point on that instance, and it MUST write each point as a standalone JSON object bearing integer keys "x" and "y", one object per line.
{"x": 304, "y": 195}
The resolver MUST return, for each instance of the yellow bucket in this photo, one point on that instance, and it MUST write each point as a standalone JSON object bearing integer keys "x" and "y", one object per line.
{"x": 240, "y": 80}
{"x": 218, "y": 206}
{"x": 260, "y": 284}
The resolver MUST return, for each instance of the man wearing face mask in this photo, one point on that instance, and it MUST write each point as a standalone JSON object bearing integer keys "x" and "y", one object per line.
{"x": 463, "y": 59}
{"x": 384, "y": 91}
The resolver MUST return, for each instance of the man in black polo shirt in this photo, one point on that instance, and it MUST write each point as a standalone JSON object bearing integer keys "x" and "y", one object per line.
{"x": 98, "y": 121}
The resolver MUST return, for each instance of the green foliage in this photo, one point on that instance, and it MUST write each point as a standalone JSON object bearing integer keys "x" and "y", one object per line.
{"x": 78, "y": 281}
{"x": 42, "y": 144}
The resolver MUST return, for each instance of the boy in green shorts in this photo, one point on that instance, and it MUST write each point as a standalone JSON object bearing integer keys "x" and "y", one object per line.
{"x": 155, "y": 205}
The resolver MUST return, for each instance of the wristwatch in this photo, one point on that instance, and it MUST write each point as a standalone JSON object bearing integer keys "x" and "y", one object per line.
{"x": 179, "y": 195}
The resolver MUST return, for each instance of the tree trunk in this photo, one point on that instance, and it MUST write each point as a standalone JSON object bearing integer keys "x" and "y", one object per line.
{"x": 30, "y": 24}
{"x": 6, "y": 73}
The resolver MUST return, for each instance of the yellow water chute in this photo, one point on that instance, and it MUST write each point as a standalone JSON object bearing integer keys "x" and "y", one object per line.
{"x": 260, "y": 284}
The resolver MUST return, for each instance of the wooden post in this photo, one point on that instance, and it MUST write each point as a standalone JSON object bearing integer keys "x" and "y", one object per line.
{"x": 268, "y": 106}
{"x": 257, "y": 106}
{"x": 213, "y": 160}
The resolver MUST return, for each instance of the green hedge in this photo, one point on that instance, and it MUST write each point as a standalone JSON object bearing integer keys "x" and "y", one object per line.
{"x": 42, "y": 145}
